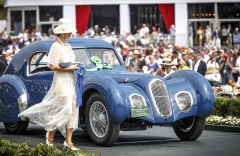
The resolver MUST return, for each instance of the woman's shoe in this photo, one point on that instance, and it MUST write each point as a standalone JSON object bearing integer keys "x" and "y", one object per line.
{"x": 49, "y": 144}
{"x": 72, "y": 148}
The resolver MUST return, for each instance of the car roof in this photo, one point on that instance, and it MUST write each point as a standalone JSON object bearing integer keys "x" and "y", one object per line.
{"x": 74, "y": 42}
{"x": 44, "y": 46}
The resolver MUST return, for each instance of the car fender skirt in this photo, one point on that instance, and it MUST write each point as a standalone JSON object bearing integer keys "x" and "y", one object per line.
{"x": 202, "y": 91}
{"x": 13, "y": 98}
{"x": 112, "y": 94}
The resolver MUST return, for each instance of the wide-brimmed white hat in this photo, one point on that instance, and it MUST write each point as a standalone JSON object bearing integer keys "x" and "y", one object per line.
{"x": 136, "y": 52}
{"x": 212, "y": 70}
{"x": 64, "y": 26}
{"x": 167, "y": 61}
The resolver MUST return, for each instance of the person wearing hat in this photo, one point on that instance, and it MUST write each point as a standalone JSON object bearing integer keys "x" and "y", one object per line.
{"x": 135, "y": 61}
{"x": 213, "y": 74}
{"x": 58, "y": 110}
{"x": 166, "y": 67}
{"x": 226, "y": 92}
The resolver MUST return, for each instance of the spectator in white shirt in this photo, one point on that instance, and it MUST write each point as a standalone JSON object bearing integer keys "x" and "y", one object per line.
{"x": 212, "y": 62}
{"x": 144, "y": 30}
{"x": 236, "y": 52}
{"x": 205, "y": 57}
{"x": 158, "y": 59}
{"x": 38, "y": 35}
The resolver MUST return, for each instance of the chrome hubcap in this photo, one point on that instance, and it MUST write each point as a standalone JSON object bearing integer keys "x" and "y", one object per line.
{"x": 99, "y": 120}
{"x": 13, "y": 124}
{"x": 189, "y": 125}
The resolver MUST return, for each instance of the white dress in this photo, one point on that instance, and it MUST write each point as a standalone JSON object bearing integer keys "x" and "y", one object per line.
{"x": 58, "y": 109}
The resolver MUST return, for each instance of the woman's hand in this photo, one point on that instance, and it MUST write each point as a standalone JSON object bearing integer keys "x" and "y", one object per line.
{"x": 58, "y": 68}
{"x": 73, "y": 67}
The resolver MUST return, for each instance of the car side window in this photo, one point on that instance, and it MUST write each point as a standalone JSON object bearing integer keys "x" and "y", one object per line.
{"x": 40, "y": 57}
{"x": 38, "y": 63}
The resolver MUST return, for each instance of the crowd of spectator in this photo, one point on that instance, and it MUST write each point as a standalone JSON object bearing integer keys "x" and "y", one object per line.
{"x": 205, "y": 37}
{"x": 152, "y": 52}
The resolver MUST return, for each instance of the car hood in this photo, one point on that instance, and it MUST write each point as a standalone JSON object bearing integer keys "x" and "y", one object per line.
{"x": 120, "y": 76}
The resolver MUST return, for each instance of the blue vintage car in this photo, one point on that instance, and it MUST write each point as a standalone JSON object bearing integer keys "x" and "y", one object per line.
{"x": 113, "y": 99}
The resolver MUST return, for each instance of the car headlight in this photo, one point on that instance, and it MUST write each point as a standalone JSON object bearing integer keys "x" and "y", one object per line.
{"x": 22, "y": 104}
{"x": 137, "y": 99}
{"x": 184, "y": 101}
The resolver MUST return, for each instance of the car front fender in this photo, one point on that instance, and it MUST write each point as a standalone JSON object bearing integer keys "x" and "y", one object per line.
{"x": 12, "y": 90}
{"x": 112, "y": 94}
{"x": 199, "y": 88}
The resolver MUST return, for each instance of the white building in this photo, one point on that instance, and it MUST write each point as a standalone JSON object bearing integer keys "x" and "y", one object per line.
{"x": 123, "y": 15}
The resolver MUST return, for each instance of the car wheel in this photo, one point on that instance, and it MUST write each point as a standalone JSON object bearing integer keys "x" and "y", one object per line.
{"x": 16, "y": 127}
{"x": 101, "y": 129}
{"x": 191, "y": 129}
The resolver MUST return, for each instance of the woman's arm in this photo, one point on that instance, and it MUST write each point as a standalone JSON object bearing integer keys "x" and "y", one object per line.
{"x": 57, "y": 68}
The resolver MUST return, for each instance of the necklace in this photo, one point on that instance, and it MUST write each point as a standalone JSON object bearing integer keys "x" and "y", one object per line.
{"x": 64, "y": 44}
{"x": 66, "y": 47}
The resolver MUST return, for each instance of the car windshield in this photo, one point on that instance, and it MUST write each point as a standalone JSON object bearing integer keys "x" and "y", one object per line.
{"x": 81, "y": 56}
{"x": 106, "y": 55}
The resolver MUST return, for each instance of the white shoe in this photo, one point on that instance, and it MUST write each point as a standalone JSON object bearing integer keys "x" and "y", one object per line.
{"x": 72, "y": 148}
{"x": 49, "y": 144}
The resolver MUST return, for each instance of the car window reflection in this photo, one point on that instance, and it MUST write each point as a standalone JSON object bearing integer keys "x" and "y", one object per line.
{"x": 81, "y": 56}
{"x": 106, "y": 55}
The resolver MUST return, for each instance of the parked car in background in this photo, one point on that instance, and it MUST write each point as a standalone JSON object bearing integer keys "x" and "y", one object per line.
{"x": 113, "y": 99}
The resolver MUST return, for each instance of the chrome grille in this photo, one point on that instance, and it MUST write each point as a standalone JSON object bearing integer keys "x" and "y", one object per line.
{"x": 160, "y": 98}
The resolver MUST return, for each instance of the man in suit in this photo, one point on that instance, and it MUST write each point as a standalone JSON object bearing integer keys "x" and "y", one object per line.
{"x": 217, "y": 38}
{"x": 229, "y": 35}
{"x": 135, "y": 61}
{"x": 199, "y": 66}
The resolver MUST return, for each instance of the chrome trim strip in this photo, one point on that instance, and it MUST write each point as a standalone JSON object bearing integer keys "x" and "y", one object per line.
{"x": 28, "y": 63}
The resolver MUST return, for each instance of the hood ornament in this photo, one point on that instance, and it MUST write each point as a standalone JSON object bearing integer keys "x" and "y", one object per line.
{"x": 126, "y": 80}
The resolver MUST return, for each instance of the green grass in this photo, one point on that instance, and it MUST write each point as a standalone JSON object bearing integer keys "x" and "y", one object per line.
{"x": 12, "y": 148}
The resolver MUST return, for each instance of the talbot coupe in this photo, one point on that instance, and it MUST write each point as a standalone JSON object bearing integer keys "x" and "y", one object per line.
{"x": 113, "y": 99}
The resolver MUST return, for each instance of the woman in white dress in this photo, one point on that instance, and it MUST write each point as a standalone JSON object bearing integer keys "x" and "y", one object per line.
{"x": 58, "y": 110}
